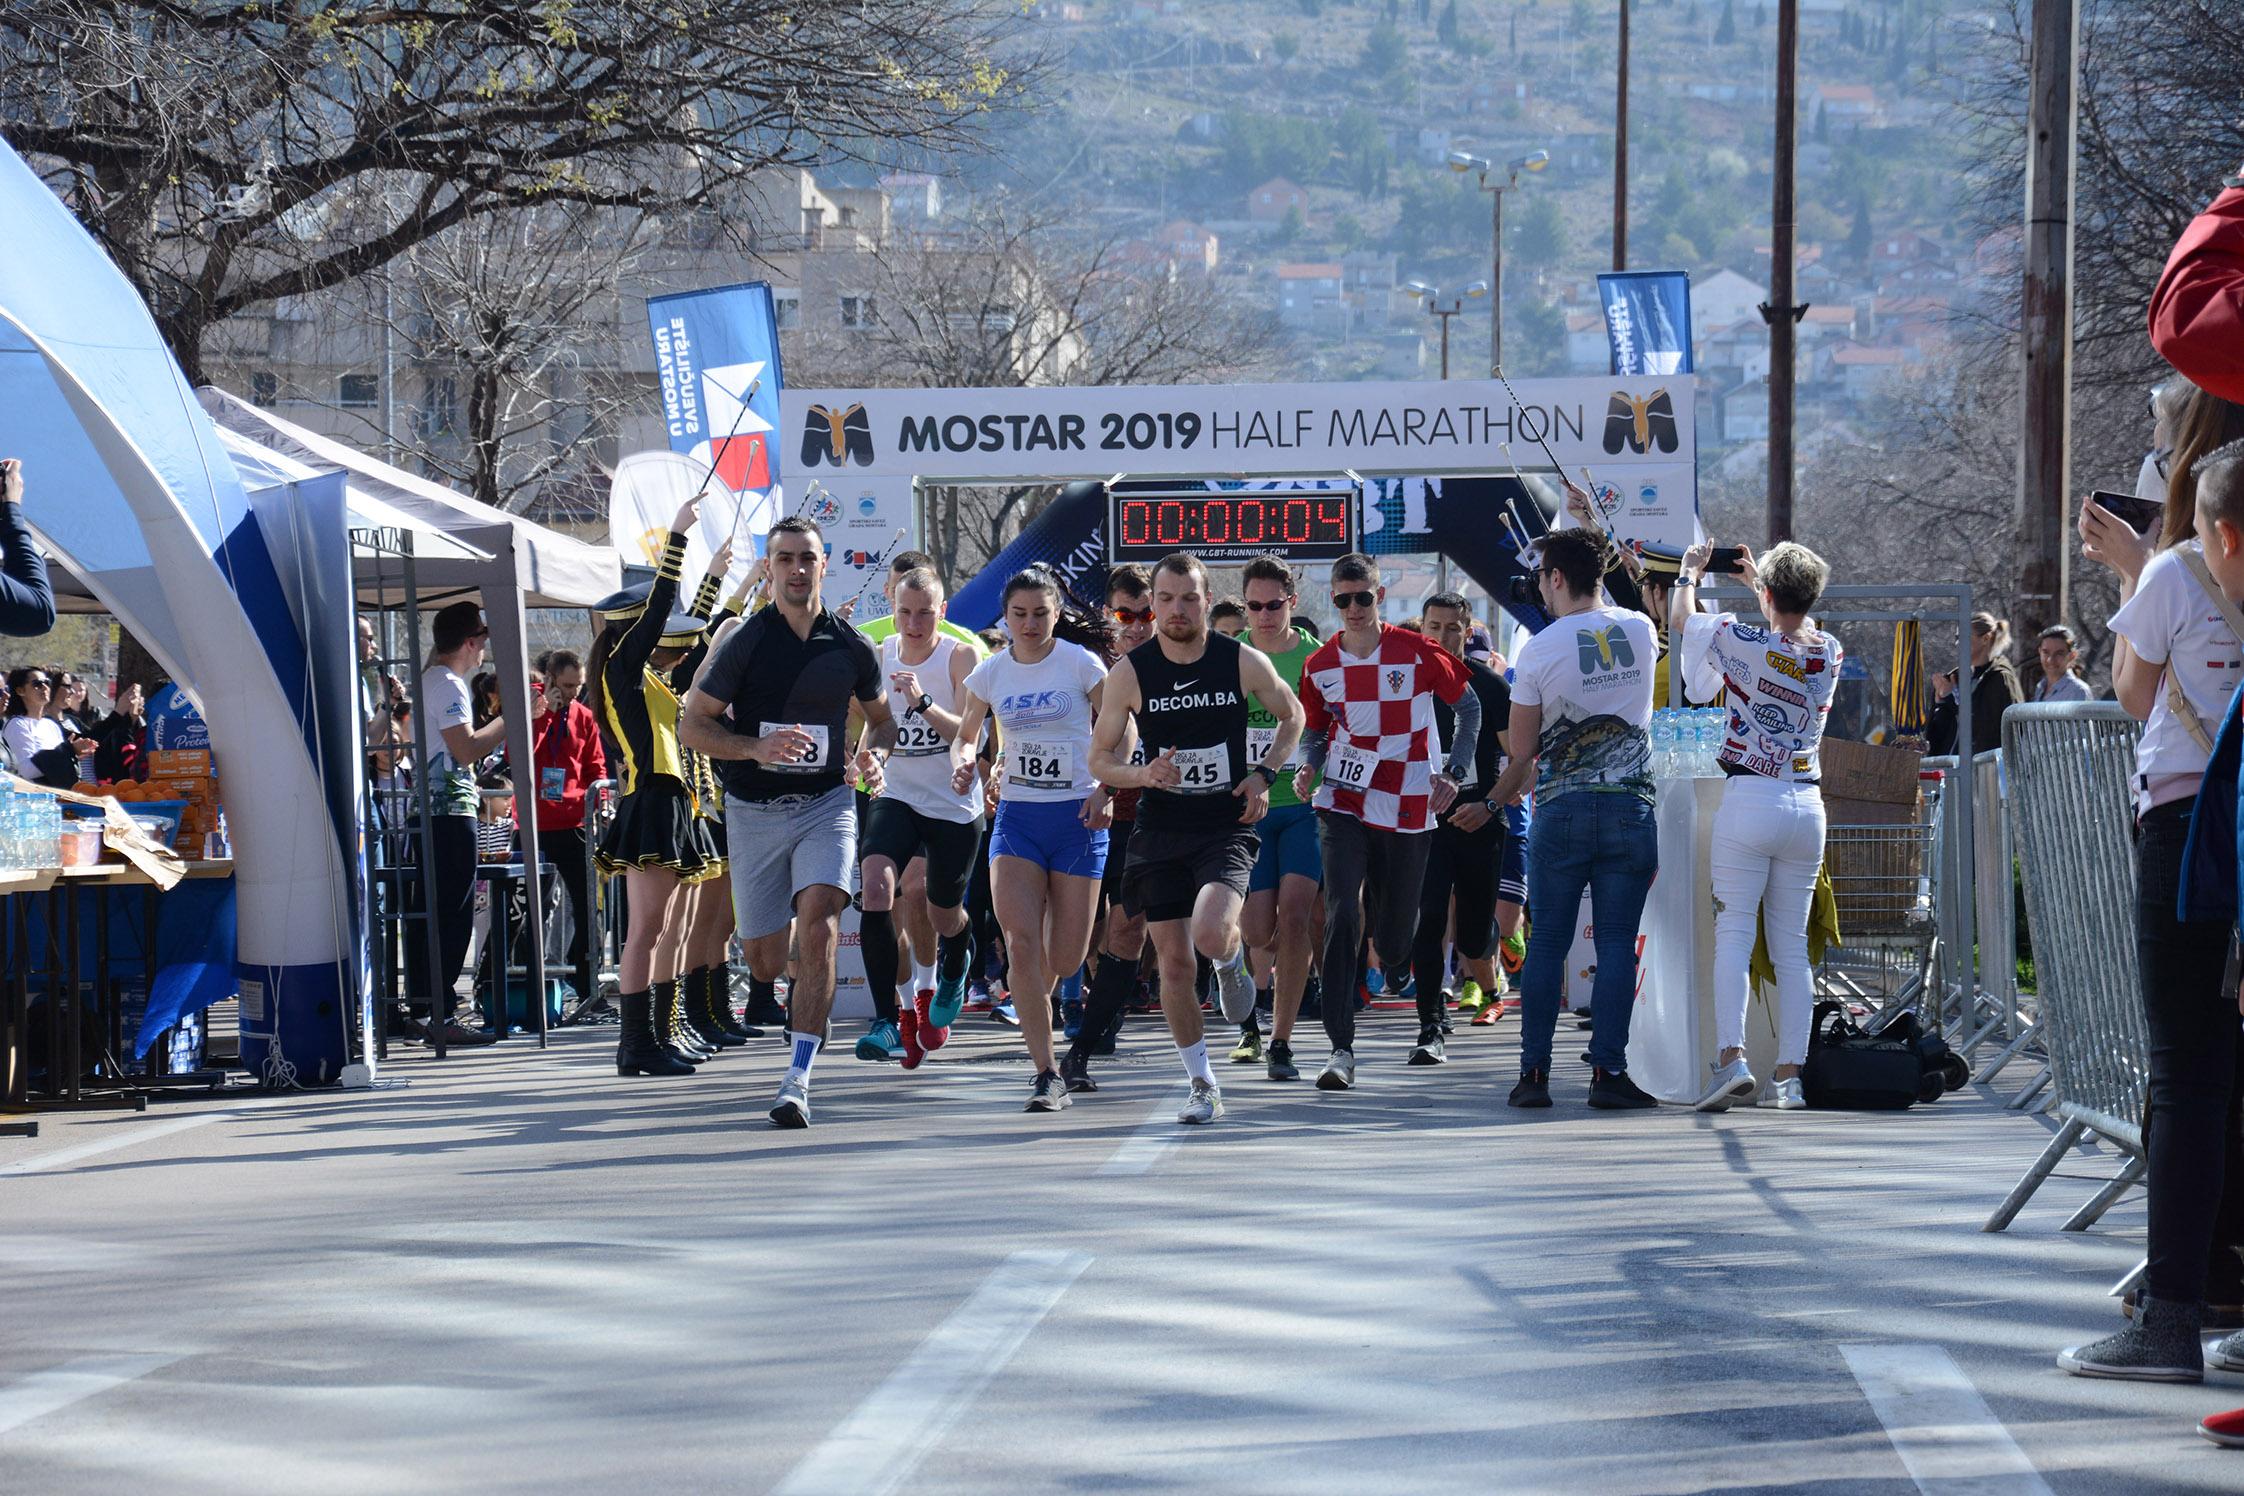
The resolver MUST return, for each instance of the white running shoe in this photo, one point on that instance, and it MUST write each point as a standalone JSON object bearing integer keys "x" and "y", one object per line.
{"x": 1789, "y": 1097}
{"x": 1339, "y": 1072}
{"x": 1732, "y": 1084}
{"x": 1235, "y": 989}
{"x": 792, "y": 1109}
{"x": 1205, "y": 1104}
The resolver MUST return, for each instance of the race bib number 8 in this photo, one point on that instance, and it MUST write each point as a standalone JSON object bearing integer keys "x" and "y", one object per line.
{"x": 814, "y": 759}
{"x": 1350, "y": 767}
{"x": 1201, "y": 770}
{"x": 1041, "y": 766}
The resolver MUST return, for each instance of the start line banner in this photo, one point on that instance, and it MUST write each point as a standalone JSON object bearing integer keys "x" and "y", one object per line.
{"x": 1055, "y": 433}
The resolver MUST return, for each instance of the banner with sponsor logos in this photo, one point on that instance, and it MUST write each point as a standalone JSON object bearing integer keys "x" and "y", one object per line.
{"x": 1274, "y": 430}
{"x": 866, "y": 520}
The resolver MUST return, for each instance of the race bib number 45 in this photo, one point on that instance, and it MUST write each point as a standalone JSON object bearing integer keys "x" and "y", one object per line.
{"x": 1041, "y": 766}
{"x": 1203, "y": 770}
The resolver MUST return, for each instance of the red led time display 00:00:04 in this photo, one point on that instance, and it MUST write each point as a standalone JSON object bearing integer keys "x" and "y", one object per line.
{"x": 1234, "y": 521}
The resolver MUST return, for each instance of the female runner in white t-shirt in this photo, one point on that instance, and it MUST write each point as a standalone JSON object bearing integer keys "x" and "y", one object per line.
{"x": 1048, "y": 845}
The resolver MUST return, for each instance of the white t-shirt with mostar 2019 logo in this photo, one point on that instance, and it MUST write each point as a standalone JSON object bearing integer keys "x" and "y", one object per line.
{"x": 1591, "y": 673}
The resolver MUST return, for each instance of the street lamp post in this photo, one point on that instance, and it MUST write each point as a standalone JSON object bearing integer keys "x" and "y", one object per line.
{"x": 1462, "y": 161}
{"x": 1431, "y": 296}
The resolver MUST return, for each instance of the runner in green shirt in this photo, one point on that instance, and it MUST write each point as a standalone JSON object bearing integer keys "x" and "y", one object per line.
{"x": 1283, "y": 904}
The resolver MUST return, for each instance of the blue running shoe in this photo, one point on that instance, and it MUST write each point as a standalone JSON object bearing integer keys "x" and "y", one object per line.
{"x": 1003, "y": 1013}
{"x": 880, "y": 1042}
{"x": 1071, "y": 1016}
{"x": 950, "y": 999}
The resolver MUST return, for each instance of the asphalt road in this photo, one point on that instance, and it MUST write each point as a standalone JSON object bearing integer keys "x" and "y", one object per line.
{"x": 511, "y": 1272}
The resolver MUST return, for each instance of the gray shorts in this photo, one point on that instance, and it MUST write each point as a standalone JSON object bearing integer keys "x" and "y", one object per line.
{"x": 775, "y": 849}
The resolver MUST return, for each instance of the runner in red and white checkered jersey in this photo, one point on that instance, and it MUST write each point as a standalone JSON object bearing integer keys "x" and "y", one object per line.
{"x": 1369, "y": 693}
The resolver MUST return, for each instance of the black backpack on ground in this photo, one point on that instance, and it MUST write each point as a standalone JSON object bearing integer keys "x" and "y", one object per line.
{"x": 1850, "y": 1070}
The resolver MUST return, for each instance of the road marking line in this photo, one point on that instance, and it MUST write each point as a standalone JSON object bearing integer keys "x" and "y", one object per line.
{"x": 1947, "y": 1437}
{"x": 45, "y": 1392}
{"x": 875, "y": 1449}
{"x": 110, "y": 1143}
{"x": 1152, "y": 1142}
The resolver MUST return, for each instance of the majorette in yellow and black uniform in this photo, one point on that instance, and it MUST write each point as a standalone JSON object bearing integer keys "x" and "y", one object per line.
{"x": 700, "y": 773}
{"x": 654, "y": 821}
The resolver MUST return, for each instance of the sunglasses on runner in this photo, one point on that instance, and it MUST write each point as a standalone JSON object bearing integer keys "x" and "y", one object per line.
{"x": 1255, "y": 607}
{"x": 1133, "y": 615}
{"x": 1354, "y": 599}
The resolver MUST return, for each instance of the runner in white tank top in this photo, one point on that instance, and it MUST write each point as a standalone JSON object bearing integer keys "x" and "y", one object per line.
{"x": 919, "y": 772}
{"x": 920, "y": 813}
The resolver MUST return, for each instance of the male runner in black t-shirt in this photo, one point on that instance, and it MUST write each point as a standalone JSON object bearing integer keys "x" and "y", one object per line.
{"x": 1187, "y": 691}
{"x": 1468, "y": 840}
{"x": 786, "y": 677}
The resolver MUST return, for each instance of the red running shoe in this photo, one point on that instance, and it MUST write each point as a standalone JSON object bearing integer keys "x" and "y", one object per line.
{"x": 929, "y": 1037}
{"x": 907, "y": 1031}
{"x": 1488, "y": 1015}
{"x": 2224, "y": 1429}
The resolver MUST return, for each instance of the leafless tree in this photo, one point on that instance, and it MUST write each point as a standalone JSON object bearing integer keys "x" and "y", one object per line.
{"x": 2159, "y": 130}
{"x": 209, "y": 143}
{"x": 513, "y": 326}
{"x": 1013, "y": 300}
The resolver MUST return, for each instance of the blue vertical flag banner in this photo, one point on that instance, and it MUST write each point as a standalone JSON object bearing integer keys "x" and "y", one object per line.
{"x": 1648, "y": 320}
{"x": 717, "y": 363}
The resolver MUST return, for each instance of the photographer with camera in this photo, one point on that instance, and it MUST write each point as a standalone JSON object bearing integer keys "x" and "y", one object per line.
{"x": 1994, "y": 690}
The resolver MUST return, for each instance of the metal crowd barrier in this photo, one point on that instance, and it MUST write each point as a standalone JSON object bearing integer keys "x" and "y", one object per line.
{"x": 2069, "y": 768}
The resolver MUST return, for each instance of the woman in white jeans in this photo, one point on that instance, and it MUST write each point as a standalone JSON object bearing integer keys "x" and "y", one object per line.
{"x": 1775, "y": 681}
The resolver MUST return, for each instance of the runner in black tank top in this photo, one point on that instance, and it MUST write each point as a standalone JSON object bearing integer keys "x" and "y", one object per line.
{"x": 1197, "y": 714}
{"x": 1188, "y": 691}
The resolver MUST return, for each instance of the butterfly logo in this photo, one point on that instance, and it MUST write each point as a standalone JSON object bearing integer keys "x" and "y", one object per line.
{"x": 1640, "y": 425}
{"x": 1603, "y": 649}
{"x": 841, "y": 437}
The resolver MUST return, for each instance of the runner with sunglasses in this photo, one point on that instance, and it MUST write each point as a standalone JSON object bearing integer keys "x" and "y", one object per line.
{"x": 1369, "y": 692}
{"x": 1282, "y": 906}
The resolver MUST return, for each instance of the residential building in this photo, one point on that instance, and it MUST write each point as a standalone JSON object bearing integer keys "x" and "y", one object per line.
{"x": 1311, "y": 298}
{"x": 1724, "y": 299}
{"x": 1270, "y": 202}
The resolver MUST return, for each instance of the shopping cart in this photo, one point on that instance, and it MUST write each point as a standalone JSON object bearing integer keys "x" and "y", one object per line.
{"x": 1886, "y": 881}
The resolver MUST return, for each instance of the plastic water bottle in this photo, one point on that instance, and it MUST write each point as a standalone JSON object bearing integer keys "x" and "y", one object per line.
{"x": 1715, "y": 728}
{"x": 49, "y": 834}
{"x": 10, "y": 855}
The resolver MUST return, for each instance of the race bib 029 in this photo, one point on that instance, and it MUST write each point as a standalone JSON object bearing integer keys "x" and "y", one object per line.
{"x": 915, "y": 739}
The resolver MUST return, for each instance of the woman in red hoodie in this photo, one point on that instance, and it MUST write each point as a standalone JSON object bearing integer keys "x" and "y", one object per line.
{"x": 569, "y": 761}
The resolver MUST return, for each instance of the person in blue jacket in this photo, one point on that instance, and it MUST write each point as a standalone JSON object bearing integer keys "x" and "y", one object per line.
{"x": 27, "y": 601}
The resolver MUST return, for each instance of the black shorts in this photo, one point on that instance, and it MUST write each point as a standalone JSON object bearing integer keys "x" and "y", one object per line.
{"x": 1169, "y": 866}
{"x": 899, "y": 833}
{"x": 1111, "y": 886}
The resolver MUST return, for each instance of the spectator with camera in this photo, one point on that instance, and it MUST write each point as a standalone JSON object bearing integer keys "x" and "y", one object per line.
{"x": 1994, "y": 690}
{"x": 2179, "y": 656}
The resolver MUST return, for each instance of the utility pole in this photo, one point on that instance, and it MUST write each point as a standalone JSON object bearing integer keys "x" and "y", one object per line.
{"x": 1620, "y": 154}
{"x": 1778, "y": 311}
{"x": 1495, "y": 291}
{"x": 2045, "y": 444}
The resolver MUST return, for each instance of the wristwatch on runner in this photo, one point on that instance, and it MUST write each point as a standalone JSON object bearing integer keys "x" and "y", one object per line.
{"x": 925, "y": 701}
{"x": 1269, "y": 775}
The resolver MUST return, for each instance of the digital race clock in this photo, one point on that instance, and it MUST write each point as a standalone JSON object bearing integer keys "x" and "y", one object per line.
{"x": 1295, "y": 525}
